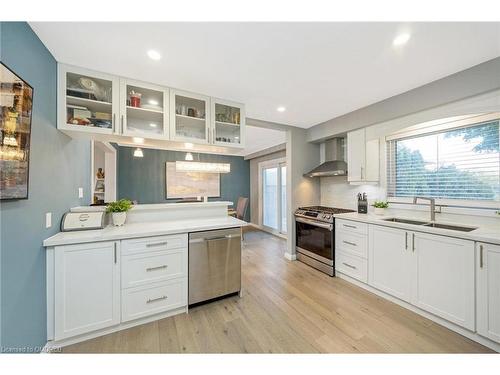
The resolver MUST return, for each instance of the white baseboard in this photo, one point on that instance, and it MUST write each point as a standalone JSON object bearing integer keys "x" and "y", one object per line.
{"x": 460, "y": 330}
{"x": 290, "y": 256}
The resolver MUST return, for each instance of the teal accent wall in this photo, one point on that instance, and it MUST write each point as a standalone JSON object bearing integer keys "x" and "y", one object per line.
{"x": 58, "y": 166}
{"x": 143, "y": 179}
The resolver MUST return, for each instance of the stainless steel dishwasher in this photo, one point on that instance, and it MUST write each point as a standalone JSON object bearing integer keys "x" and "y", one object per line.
{"x": 214, "y": 264}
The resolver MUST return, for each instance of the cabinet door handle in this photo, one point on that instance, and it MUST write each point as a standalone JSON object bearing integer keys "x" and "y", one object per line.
{"x": 350, "y": 243}
{"x": 149, "y": 269}
{"x": 164, "y": 243}
{"x": 156, "y": 299}
{"x": 349, "y": 265}
{"x": 114, "y": 253}
{"x": 413, "y": 242}
{"x": 406, "y": 240}
{"x": 361, "y": 168}
{"x": 122, "y": 124}
{"x": 350, "y": 226}
{"x": 480, "y": 256}
{"x": 113, "y": 125}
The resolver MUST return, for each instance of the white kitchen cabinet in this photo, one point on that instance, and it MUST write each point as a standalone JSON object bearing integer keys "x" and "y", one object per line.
{"x": 390, "y": 261}
{"x": 444, "y": 277}
{"x": 362, "y": 158}
{"x": 86, "y": 288}
{"x": 488, "y": 291}
{"x": 228, "y": 123}
{"x": 144, "y": 110}
{"x": 189, "y": 117}
{"x": 88, "y": 101}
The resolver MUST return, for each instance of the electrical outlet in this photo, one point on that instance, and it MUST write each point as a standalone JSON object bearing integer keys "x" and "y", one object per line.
{"x": 80, "y": 192}
{"x": 48, "y": 219}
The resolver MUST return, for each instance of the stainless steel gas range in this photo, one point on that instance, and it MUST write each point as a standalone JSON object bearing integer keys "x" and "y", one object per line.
{"x": 315, "y": 236}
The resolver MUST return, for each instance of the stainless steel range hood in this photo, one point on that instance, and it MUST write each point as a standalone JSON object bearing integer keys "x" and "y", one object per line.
{"x": 334, "y": 164}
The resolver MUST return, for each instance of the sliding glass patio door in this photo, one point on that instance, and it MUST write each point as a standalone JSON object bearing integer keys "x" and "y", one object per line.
{"x": 273, "y": 198}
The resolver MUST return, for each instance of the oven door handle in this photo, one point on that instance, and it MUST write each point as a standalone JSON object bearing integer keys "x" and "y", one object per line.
{"x": 314, "y": 223}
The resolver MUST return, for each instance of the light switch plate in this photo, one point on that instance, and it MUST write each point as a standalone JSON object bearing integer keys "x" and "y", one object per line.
{"x": 80, "y": 192}
{"x": 48, "y": 219}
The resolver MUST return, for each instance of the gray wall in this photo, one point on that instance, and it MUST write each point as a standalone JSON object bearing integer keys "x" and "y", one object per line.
{"x": 143, "y": 179}
{"x": 254, "y": 182}
{"x": 58, "y": 166}
{"x": 477, "y": 80}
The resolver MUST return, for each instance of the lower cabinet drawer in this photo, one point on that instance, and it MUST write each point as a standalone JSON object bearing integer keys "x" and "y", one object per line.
{"x": 352, "y": 243}
{"x": 152, "y": 299}
{"x": 152, "y": 244}
{"x": 352, "y": 266}
{"x": 145, "y": 268}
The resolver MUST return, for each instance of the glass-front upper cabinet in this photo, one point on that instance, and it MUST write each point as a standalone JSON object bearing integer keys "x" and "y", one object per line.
{"x": 228, "y": 122}
{"x": 88, "y": 100}
{"x": 190, "y": 116}
{"x": 143, "y": 109}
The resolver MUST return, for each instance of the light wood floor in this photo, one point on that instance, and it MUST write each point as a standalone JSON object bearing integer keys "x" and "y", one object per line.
{"x": 287, "y": 307}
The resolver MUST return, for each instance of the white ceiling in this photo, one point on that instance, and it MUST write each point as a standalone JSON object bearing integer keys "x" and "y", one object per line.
{"x": 316, "y": 70}
{"x": 258, "y": 139}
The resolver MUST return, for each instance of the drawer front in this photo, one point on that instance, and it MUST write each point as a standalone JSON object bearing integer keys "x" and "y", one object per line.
{"x": 151, "y": 244}
{"x": 352, "y": 243}
{"x": 144, "y": 268}
{"x": 351, "y": 226}
{"x": 153, "y": 299}
{"x": 352, "y": 265}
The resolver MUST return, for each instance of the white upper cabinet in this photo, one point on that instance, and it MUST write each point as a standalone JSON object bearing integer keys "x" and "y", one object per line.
{"x": 390, "y": 261}
{"x": 144, "y": 110}
{"x": 488, "y": 291}
{"x": 362, "y": 157}
{"x": 228, "y": 123}
{"x": 87, "y": 100}
{"x": 444, "y": 277}
{"x": 189, "y": 117}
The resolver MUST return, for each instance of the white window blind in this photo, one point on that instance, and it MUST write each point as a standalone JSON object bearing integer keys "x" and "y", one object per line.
{"x": 461, "y": 163}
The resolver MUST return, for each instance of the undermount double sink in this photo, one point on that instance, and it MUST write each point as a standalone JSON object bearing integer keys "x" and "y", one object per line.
{"x": 430, "y": 224}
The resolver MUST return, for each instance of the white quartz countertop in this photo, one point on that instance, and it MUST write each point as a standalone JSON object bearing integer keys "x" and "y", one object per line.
{"x": 489, "y": 233}
{"x": 146, "y": 229}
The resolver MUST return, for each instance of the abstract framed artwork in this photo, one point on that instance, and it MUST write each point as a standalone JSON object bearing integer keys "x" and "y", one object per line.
{"x": 16, "y": 104}
{"x": 190, "y": 184}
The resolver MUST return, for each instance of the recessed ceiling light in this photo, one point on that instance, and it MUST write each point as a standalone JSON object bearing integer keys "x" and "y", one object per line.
{"x": 154, "y": 55}
{"x": 138, "y": 140}
{"x": 281, "y": 109}
{"x": 401, "y": 40}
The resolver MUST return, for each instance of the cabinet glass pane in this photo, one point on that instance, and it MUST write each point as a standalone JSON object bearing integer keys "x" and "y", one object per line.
{"x": 144, "y": 110}
{"x": 88, "y": 101}
{"x": 227, "y": 123}
{"x": 190, "y": 117}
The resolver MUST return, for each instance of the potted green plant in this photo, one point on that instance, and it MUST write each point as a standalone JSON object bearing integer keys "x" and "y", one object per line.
{"x": 119, "y": 210}
{"x": 380, "y": 207}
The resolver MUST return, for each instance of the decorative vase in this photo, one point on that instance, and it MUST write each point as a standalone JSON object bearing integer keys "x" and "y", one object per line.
{"x": 379, "y": 211}
{"x": 119, "y": 218}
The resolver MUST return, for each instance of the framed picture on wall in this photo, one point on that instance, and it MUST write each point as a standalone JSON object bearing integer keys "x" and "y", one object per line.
{"x": 16, "y": 104}
{"x": 190, "y": 184}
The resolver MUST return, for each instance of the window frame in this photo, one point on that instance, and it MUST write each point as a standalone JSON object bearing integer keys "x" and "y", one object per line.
{"x": 436, "y": 127}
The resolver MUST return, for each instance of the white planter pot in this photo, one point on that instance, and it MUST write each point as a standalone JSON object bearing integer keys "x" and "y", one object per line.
{"x": 379, "y": 211}
{"x": 119, "y": 218}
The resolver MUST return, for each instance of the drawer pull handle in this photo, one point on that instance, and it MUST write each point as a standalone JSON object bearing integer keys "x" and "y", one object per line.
{"x": 481, "y": 262}
{"x": 156, "y": 268}
{"x": 157, "y": 244}
{"x": 350, "y": 243}
{"x": 156, "y": 299}
{"x": 350, "y": 266}
{"x": 350, "y": 226}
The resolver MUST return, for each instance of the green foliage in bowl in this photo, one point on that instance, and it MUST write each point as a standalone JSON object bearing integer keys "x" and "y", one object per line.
{"x": 380, "y": 204}
{"x": 123, "y": 205}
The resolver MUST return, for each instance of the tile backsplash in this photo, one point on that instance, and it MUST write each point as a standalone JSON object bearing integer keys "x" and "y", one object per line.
{"x": 337, "y": 192}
